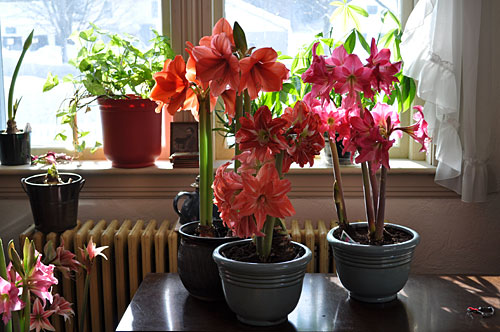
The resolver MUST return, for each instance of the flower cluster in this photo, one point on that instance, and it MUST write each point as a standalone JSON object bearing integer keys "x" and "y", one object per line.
{"x": 246, "y": 198}
{"x": 26, "y": 285}
{"x": 371, "y": 133}
{"x": 214, "y": 67}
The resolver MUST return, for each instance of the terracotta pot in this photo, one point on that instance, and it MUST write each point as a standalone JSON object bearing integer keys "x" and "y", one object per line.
{"x": 373, "y": 274}
{"x": 262, "y": 294}
{"x": 197, "y": 270}
{"x": 54, "y": 206}
{"x": 15, "y": 149}
{"x": 131, "y": 131}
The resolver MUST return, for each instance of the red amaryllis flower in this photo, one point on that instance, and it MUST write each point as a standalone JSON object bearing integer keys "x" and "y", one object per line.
{"x": 171, "y": 85}
{"x": 264, "y": 194}
{"x": 226, "y": 185}
{"x": 418, "y": 131}
{"x": 319, "y": 75}
{"x": 65, "y": 261}
{"x": 9, "y": 299}
{"x": 261, "y": 133}
{"x": 39, "y": 318}
{"x": 261, "y": 72}
{"x": 352, "y": 77}
{"x": 222, "y": 26}
{"x": 383, "y": 69}
{"x": 305, "y": 138}
{"x": 245, "y": 227}
{"x": 217, "y": 65}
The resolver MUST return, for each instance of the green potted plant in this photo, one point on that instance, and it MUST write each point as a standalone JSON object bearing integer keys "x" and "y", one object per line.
{"x": 54, "y": 199}
{"x": 120, "y": 77}
{"x": 372, "y": 259}
{"x": 15, "y": 145}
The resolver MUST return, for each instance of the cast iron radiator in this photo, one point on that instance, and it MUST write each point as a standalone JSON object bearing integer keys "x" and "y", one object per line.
{"x": 137, "y": 248}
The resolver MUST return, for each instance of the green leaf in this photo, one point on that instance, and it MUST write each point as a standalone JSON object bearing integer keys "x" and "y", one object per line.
{"x": 363, "y": 42}
{"x": 60, "y": 136}
{"x": 408, "y": 92}
{"x": 86, "y": 34}
{"x": 386, "y": 39}
{"x": 300, "y": 71}
{"x": 68, "y": 78}
{"x": 337, "y": 3}
{"x": 96, "y": 146}
{"x": 240, "y": 40}
{"x": 98, "y": 46}
{"x": 94, "y": 89}
{"x": 284, "y": 57}
{"x": 51, "y": 82}
{"x": 84, "y": 65}
{"x": 15, "y": 259}
{"x": 3, "y": 266}
{"x": 290, "y": 88}
{"x": 394, "y": 18}
{"x": 358, "y": 10}
{"x": 350, "y": 42}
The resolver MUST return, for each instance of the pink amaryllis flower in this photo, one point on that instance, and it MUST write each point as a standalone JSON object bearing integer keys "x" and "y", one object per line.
{"x": 9, "y": 299}
{"x": 261, "y": 133}
{"x": 90, "y": 253}
{"x": 387, "y": 119}
{"x": 320, "y": 75}
{"x": 217, "y": 65}
{"x": 382, "y": 69}
{"x": 352, "y": 77}
{"x": 65, "y": 260}
{"x": 264, "y": 194}
{"x": 261, "y": 72}
{"x": 39, "y": 318}
{"x": 331, "y": 117}
{"x": 418, "y": 131}
{"x": 62, "y": 307}
{"x": 42, "y": 279}
{"x": 222, "y": 26}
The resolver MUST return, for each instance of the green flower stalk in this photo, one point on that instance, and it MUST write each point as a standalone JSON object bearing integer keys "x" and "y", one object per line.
{"x": 206, "y": 161}
{"x": 12, "y": 106}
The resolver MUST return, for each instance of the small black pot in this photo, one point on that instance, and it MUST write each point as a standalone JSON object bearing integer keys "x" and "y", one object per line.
{"x": 15, "y": 149}
{"x": 196, "y": 267}
{"x": 54, "y": 206}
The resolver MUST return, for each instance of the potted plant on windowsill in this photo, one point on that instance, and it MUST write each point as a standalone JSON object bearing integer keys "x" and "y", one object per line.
{"x": 54, "y": 199}
{"x": 15, "y": 145}
{"x": 372, "y": 259}
{"x": 120, "y": 77}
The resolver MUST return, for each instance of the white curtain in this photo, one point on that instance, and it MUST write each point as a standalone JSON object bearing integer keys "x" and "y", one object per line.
{"x": 449, "y": 48}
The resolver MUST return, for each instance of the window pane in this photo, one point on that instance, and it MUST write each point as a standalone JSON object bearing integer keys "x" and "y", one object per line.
{"x": 54, "y": 21}
{"x": 286, "y": 25}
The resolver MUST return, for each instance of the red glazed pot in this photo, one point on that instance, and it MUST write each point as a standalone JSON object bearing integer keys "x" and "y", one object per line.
{"x": 131, "y": 131}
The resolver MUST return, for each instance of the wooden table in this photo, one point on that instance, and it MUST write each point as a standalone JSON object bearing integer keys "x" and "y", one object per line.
{"x": 427, "y": 303}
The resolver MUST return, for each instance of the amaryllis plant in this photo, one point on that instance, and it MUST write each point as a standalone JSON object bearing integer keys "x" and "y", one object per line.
{"x": 27, "y": 300}
{"x": 253, "y": 200}
{"x": 366, "y": 125}
{"x": 220, "y": 66}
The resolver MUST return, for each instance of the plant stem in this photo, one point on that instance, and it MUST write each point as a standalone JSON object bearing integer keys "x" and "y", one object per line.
{"x": 14, "y": 323}
{"x": 374, "y": 186}
{"x": 264, "y": 243}
{"x": 81, "y": 318}
{"x": 206, "y": 162}
{"x": 379, "y": 226}
{"x": 338, "y": 194}
{"x": 237, "y": 126}
{"x": 370, "y": 214}
{"x": 27, "y": 308}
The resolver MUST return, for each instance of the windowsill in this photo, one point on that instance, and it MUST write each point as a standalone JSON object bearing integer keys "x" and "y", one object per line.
{"x": 102, "y": 167}
{"x": 407, "y": 179}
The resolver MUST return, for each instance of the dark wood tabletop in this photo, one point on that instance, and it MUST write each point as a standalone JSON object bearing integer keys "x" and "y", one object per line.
{"x": 427, "y": 303}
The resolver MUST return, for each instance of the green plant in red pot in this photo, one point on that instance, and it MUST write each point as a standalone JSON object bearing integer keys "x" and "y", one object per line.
{"x": 120, "y": 77}
{"x": 15, "y": 144}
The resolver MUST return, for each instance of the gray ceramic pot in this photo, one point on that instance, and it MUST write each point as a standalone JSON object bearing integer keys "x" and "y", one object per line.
{"x": 262, "y": 294}
{"x": 373, "y": 274}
